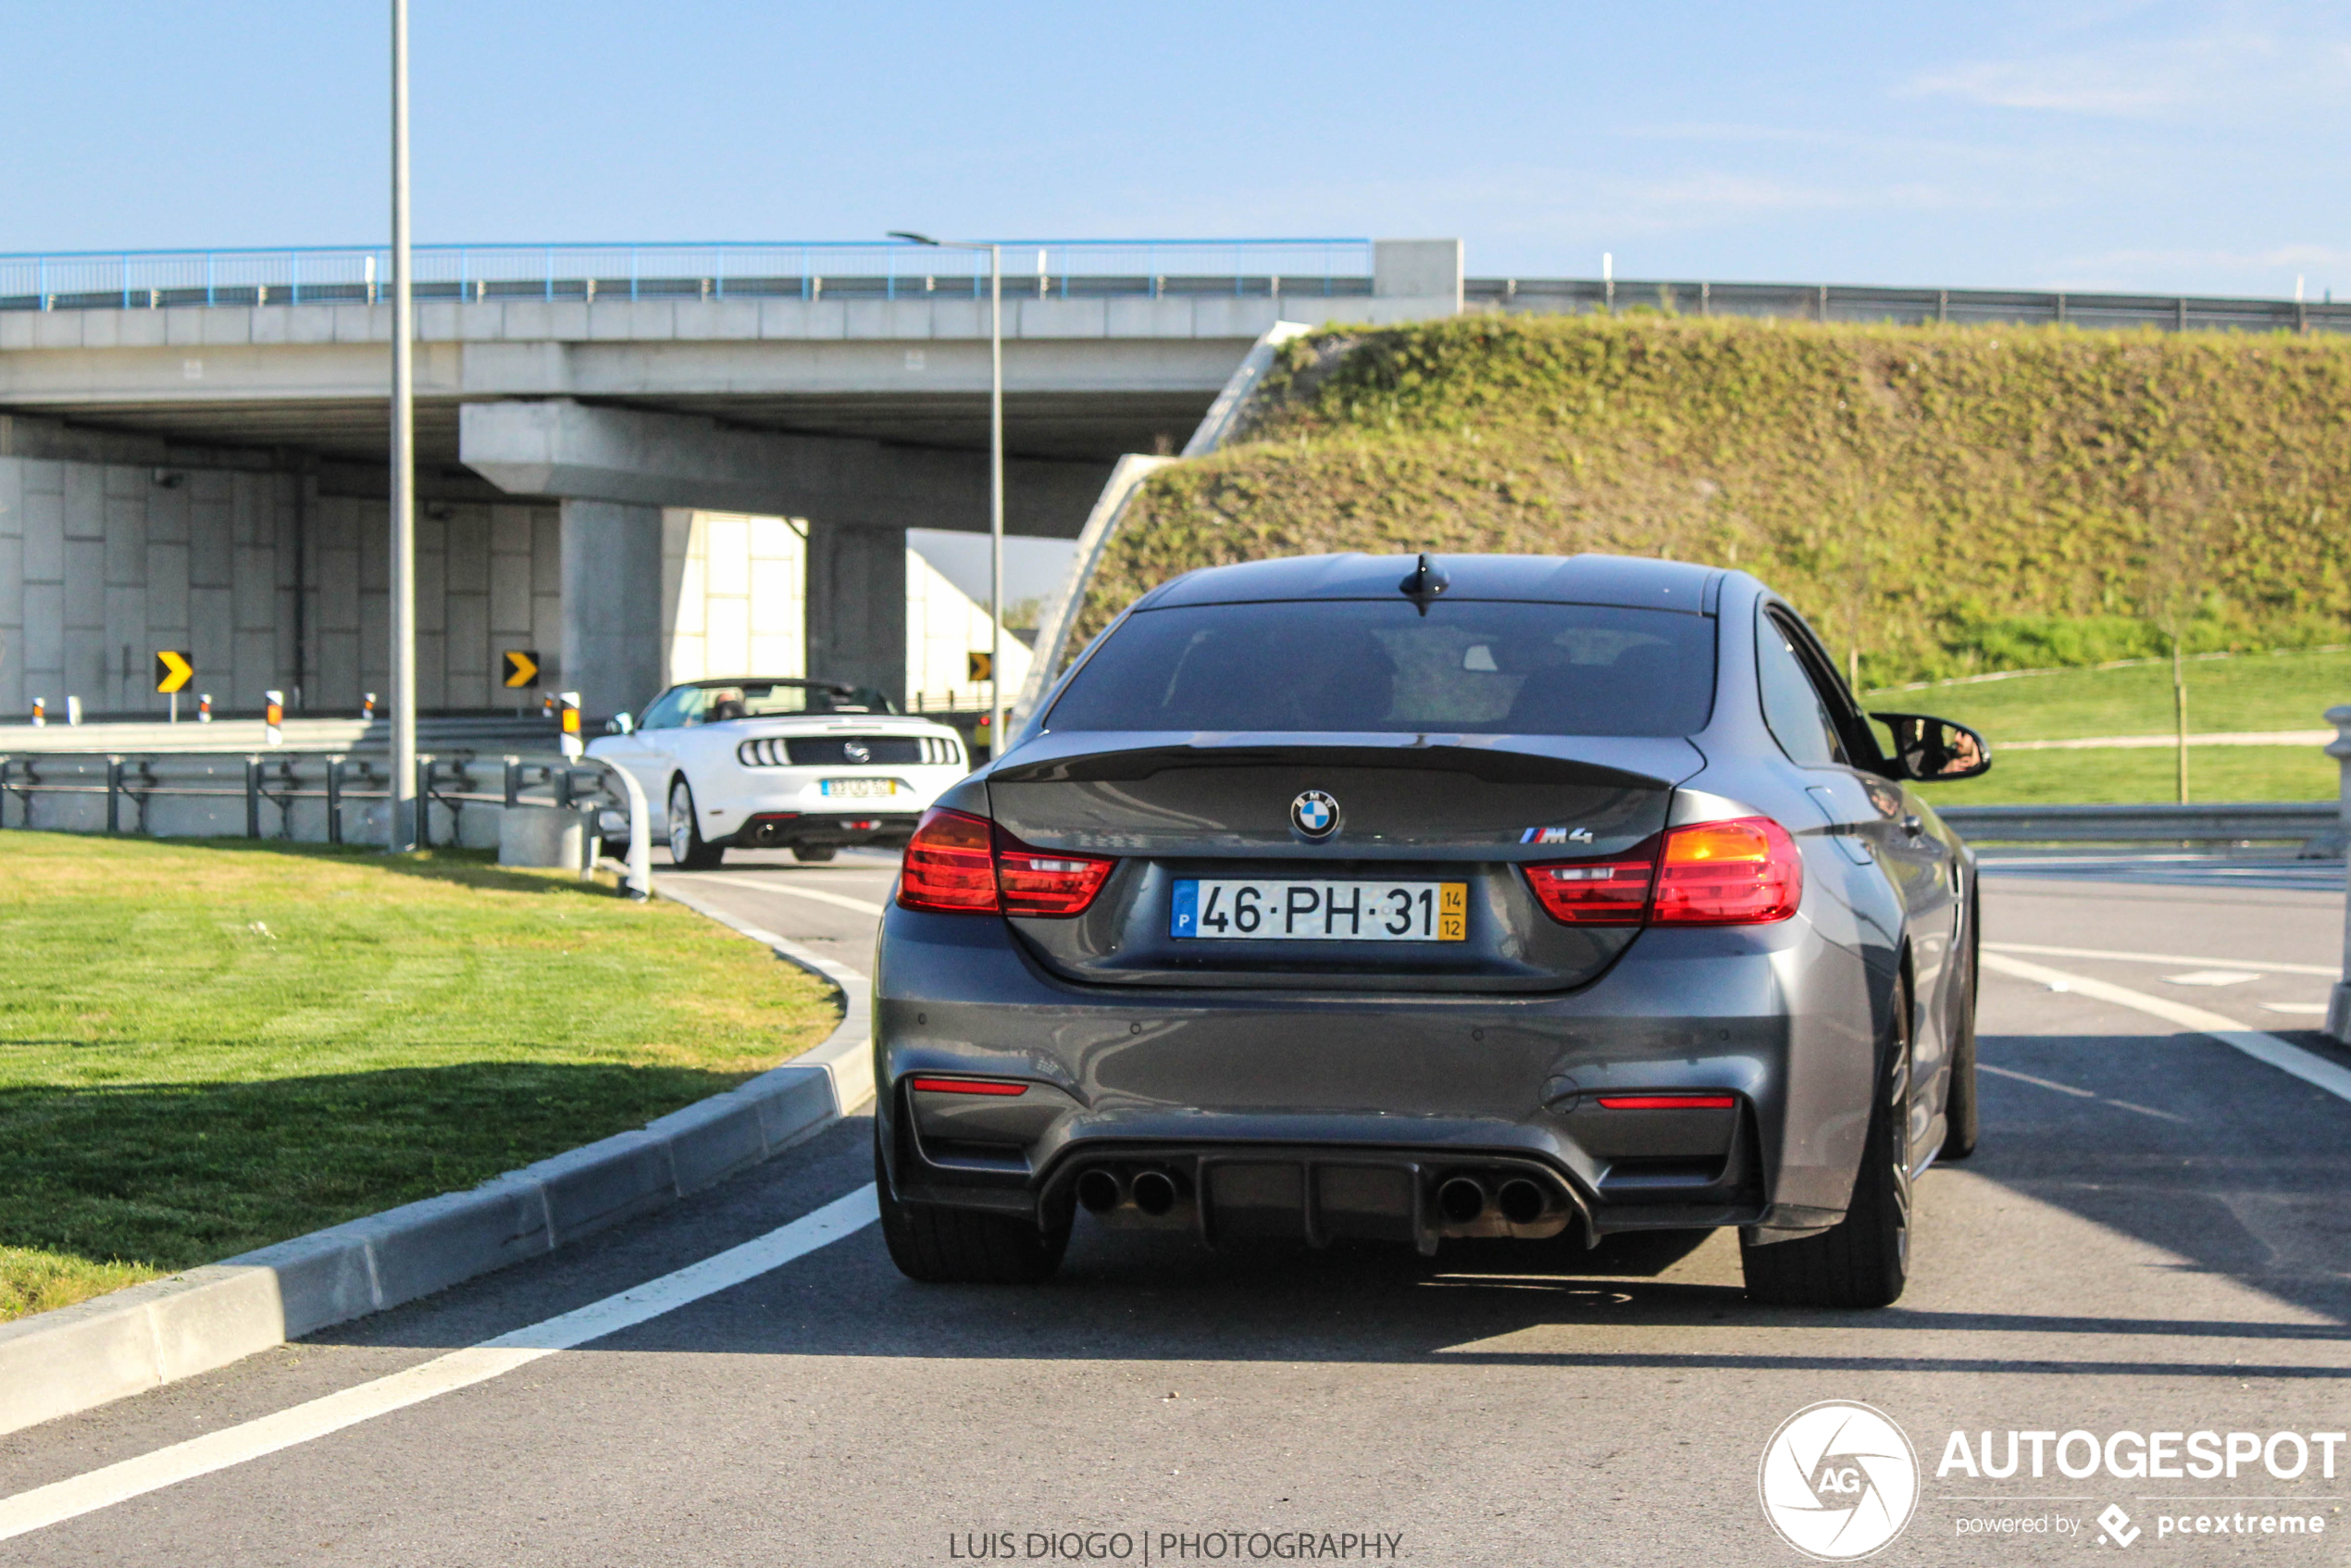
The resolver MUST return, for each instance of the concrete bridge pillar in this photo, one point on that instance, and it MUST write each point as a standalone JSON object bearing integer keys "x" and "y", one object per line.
{"x": 857, "y": 605}
{"x": 612, "y": 597}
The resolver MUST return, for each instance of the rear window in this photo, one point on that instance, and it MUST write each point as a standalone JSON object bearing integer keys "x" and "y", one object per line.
{"x": 1375, "y": 665}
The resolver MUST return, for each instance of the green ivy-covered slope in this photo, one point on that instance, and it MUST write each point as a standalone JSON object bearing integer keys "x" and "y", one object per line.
{"x": 1941, "y": 500}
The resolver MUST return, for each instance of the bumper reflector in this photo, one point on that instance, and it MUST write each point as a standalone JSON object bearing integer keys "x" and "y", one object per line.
{"x": 967, "y": 1086}
{"x": 1668, "y": 1102}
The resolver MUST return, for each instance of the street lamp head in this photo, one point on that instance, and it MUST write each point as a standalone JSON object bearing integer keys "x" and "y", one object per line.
{"x": 910, "y": 234}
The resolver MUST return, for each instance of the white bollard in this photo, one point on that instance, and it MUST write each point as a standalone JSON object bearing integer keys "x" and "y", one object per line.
{"x": 2339, "y": 1004}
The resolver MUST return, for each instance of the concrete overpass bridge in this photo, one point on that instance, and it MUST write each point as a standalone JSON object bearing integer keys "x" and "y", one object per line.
{"x": 191, "y": 445}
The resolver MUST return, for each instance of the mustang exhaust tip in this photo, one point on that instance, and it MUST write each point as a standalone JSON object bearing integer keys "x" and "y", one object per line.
{"x": 1460, "y": 1200}
{"x": 1155, "y": 1192}
{"x": 1521, "y": 1201}
{"x": 1098, "y": 1191}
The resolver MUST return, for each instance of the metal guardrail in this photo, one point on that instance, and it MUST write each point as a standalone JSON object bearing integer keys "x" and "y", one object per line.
{"x": 1868, "y": 303}
{"x": 272, "y": 787}
{"x": 2312, "y": 824}
{"x": 1033, "y": 268}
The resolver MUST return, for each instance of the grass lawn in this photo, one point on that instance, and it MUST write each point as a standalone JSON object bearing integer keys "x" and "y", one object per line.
{"x": 2245, "y": 692}
{"x": 205, "y": 1047}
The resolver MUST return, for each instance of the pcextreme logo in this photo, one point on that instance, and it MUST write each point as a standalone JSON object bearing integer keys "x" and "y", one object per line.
{"x": 1838, "y": 1480}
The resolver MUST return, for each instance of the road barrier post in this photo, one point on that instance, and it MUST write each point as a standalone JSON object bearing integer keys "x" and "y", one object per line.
{"x": 334, "y": 799}
{"x": 114, "y": 795}
{"x": 273, "y": 718}
{"x": 640, "y": 882}
{"x": 573, "y": 746}
{"x": 2339, "y": 1003}
{"x": 40, "y": 714}
{"x": 253, "y": 797}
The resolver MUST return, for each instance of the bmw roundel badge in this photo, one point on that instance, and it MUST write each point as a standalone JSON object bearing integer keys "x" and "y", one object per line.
{"x": 856, "y": 750}
{"x": 1314, "y": 814}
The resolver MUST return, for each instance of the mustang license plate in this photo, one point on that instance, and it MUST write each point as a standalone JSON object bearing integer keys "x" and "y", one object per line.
{"x": 1268, "y": 909}
{"x": 859, "y": 788}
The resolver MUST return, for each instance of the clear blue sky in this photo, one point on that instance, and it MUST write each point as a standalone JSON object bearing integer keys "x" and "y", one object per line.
{"x": 2053, "y": 144}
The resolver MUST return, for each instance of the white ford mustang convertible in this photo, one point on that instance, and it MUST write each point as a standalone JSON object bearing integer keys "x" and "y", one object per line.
{"x": 754, "y": 762}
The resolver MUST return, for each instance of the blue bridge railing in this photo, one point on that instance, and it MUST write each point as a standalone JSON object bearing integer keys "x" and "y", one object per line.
{"x": 1033, "y": 269}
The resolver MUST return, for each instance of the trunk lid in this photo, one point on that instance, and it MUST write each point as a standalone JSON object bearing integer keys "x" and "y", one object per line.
{"x": 1424, "y": 809}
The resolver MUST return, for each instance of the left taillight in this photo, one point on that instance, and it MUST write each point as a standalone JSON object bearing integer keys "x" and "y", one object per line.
{"x": 957, "y": 863}
{"x": 950, "y": 866}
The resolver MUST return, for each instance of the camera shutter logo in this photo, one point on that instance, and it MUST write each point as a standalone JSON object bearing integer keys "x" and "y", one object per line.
{"x": 1314, "y": 814}
{"x": 1838, "y": 1481}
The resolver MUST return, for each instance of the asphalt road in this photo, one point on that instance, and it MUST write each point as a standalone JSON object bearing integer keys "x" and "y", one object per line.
{"x": 2152, "y": 1237}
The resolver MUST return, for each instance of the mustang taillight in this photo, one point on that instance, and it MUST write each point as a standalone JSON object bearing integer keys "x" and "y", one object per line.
{"x": 1665, "y": 1102}
{"x": 957, "y": 863}
{"x": 1746, "y": 872}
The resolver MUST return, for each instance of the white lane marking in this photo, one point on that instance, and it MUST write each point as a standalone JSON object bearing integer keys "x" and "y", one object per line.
{"x": 2265, "y": 968}
{"x": 2037, "y": 1083}
{"x": 839, "y": 899}
{"x": 2302, "y": 1007}
{"x": 2314, "y": 1070}
{"x": 2077, "y": 1094}
{"x": 2210, "y": 978}
{"x": 104, "y": 1487}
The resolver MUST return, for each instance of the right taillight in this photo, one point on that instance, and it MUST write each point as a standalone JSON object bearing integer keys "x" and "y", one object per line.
{"x": 1744, "y": 872}
{"x": 957, "y": 863}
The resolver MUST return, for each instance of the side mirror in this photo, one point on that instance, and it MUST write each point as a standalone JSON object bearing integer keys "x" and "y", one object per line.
{"x": 621, "y": 724}
{"x": 1936, "y": 750}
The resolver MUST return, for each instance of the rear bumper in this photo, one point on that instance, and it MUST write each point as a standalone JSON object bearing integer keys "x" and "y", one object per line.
{"x": 1291, "y": 1087}
{"x": 779, "y": 830}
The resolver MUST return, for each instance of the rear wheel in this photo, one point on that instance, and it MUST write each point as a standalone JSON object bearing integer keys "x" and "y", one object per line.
{"x": 687, "y": 846}
{"x": 1864, "y": 1260}
{"x": 815, "y": 851}
{"x": 941, "y": 1246}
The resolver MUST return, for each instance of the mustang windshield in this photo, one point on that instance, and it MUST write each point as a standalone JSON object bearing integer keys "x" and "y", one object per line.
{"x": 1380, "y": 666}
{"x": 716, "y": 701}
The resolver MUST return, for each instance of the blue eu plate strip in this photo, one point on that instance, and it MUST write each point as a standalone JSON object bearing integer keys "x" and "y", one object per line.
{"x": 1184, "y": 920}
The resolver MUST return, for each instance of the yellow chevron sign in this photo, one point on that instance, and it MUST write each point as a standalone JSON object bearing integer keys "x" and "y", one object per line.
{"x": 980, "y": 666}
{"x": 173, "y": 669}
{"x": 522, "y": 667}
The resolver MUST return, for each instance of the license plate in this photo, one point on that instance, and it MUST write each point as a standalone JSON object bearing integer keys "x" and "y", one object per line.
{"x": 1283, "y": 910}
{"x": 859, "y": 788}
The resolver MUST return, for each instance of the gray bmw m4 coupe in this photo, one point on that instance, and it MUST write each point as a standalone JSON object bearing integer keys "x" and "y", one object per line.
{"x": 1383, "y": 899}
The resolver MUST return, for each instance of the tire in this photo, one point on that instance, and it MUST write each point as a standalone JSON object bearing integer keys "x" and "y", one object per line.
{"x": 1864, "y": 1259}
{"x": 1961, "y": 1118}
{"x": 815, "y": 851}
{"x": 941, "y": 1246}
{"x": 688, "y": 848}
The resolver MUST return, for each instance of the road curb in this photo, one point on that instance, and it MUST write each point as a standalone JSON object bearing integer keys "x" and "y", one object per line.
{"x": 57, "y": 1362}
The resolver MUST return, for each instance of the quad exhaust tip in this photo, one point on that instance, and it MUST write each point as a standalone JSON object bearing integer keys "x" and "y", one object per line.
{"x": 1460, "y": 1200}
{"x": 1098, "y": 1191}
{"x": 1155, "y": 1192}
{"x": 1521, "y": 1201}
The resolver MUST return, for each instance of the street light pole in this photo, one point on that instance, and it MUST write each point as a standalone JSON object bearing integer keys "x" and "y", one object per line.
{"x": 995, "y": 473}
{"x": 401, "y": 831}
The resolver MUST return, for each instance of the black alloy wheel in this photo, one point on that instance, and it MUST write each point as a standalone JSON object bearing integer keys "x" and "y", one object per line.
{"x": 1864, "y": 1259}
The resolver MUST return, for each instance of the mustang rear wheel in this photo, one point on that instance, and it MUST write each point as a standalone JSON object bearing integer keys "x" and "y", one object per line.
{"x": 1864, "y": 1260}
{"x": 941, "y": 1246}
{"x": 687, "y": 846}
